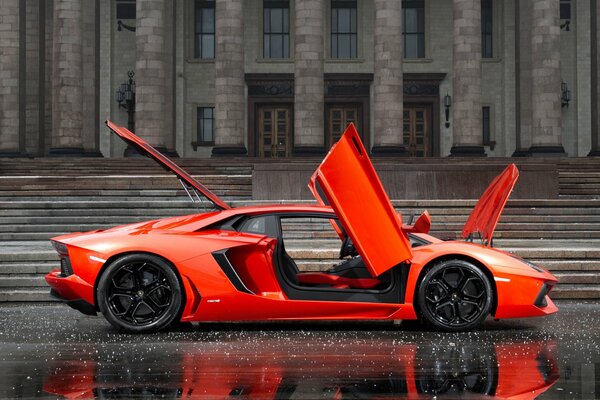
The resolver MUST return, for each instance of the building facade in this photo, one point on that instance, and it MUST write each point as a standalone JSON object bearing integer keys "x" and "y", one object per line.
{"x": 282, "y": 78}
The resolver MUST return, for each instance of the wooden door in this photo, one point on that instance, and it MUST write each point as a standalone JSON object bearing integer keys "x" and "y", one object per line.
{"x": 274, "y": 131}
{"x": 417, "y": 130}
{"x": 338, "y": 118}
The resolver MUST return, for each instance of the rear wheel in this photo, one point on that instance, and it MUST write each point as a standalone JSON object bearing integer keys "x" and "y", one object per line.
{"x": 454, "y": 295}
{"x": 139, "y": 293}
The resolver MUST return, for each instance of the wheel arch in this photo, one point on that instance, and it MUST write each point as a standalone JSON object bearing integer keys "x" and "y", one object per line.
{"x": 126, "y": 253}
{"x": 481, "y": 265}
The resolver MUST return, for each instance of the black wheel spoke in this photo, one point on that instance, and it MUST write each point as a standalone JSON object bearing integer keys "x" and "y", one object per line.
{"x": 156, "y": 305}
{"x": 138, "y": 277}
{"x": 123, "y": 291}
{"x": 129, "y": 313}
{"x": 473, "y": 303}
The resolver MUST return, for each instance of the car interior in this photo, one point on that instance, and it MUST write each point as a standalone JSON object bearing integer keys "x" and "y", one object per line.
{"x": 339, "y": 277}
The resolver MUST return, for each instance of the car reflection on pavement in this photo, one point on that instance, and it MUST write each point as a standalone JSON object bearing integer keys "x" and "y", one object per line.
{"x": 283, "y": 369}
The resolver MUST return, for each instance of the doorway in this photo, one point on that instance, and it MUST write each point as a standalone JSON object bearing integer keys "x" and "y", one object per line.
{"x": 274, "y": 131}
{"x": 417, "y": 130}
{"x": 338, "y": 116}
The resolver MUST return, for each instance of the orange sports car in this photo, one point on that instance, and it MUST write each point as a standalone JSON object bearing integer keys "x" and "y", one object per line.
{"x": 231, "y": 264}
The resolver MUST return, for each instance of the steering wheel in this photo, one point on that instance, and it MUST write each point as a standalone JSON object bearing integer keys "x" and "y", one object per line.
{"x": 347, "y": 248}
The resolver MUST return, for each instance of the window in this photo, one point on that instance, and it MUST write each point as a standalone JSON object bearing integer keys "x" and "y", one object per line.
{"x": 413, "y": 28}
{"x": 264, "y": 225}
{"x": 205, "y": 29}
{"x": 487, "y": 28}
{"x": 276, "y": 29}
{"x": 343, "y": 29}
{"x": 485, "y": 113}
{"x": 565, "y": 9}
{"x": 205, "y": 126}
{"x": 125, "y": 9}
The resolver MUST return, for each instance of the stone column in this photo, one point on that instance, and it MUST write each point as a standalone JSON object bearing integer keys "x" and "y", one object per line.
{"x": 545, "y": 79}
{"x": 309, "y": 83}
{"x": 150, "y": 90}
{"x": 466, "y": 81}
{"x": 523, "y": 78}
{"x": 230, "y": 84}
{"x": 595, "y": 54}
{"x": 388, "y": 90}
{"x": 67, "y": 91}
{"x": 9, "y": 78}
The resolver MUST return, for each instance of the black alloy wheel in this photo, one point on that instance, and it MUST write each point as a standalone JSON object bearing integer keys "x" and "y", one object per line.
{"x": 139, "y": 293}
{"x": 455, "y": 295}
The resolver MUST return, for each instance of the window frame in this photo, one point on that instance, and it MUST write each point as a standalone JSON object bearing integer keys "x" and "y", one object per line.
{"x": 420, "y": 31}
{"x": 566, "y": 13}
{"x": 285, "y": 34}
{"x": 200, "y": 121}
{"x": 487, "y": 28}
{"x": 200, "y": 31}
{"x": 351, "y": 33}
{"x": 127, "y": 7}
{"x": 486, "y": 134}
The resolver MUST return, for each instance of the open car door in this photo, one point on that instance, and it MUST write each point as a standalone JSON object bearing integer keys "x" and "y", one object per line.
{"x": 145, "y": 149}
{"x": 347, "y": 181}
{"x": 484, "y": 217}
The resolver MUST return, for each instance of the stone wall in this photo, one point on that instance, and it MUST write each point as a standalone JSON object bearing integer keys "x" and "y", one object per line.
{"x": 409, "y": 181}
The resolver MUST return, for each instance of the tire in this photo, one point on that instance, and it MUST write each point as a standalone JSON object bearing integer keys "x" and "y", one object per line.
{"x": 139, "y": 293}
{"x": 454, "y": 295}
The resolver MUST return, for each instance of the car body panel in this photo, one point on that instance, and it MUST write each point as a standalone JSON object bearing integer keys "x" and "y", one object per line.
{"x": 346, "y": 180}
{"x": 145, "y": 149}
{"x": 486, "y": 213}
{"x": 189, "y": 243}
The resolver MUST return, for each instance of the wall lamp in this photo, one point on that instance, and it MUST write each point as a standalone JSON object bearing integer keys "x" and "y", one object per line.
{"x": 125, "y": 97}
{"x": 566, "y": 25}
{"x": 121, "y": 25}
{"x": 447, "y": 104}
{"x": 565, "y": 94}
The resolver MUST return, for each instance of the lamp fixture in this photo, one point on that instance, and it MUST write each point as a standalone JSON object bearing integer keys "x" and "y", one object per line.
{"x": 565, "y": 94}
{"x": 125, "y": 96}
{"x": 447, "y": 104}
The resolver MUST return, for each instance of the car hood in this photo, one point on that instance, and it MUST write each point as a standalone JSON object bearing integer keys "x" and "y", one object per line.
{"x": 484, "y": 217}
{"x": 145, "y": 149}
{"x": 346, "y": 180}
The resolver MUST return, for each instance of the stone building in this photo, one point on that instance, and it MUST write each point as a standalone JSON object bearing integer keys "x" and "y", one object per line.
{"x": 282, "y": 78}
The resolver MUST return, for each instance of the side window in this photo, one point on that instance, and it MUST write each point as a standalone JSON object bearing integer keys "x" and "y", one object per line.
{"x": 263, "y": 225}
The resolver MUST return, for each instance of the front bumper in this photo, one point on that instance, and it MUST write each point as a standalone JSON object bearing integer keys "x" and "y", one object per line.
{"x": 72, "y": 290}
{"x": 524, "y": 296}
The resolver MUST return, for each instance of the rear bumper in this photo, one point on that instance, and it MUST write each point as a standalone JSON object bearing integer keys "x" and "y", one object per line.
{"x": 72, "y": 290}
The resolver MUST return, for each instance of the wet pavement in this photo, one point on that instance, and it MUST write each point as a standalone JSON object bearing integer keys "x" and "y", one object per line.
{"x": 52, "y": 351}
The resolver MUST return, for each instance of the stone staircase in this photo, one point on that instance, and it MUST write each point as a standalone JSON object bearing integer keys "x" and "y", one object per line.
{"x": 579, "y": 177}
{"x": 44, "y": 198}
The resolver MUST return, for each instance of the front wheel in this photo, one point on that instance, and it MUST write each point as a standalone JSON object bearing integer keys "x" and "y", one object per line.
{"x": 139, "y": 293}
{"x": 454, "y": 295}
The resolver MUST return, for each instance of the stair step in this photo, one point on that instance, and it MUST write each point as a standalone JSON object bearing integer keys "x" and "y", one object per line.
{"x": 26, "y": 295}
{"x": 22, "y": 281}
{"x": 579, "y": 278}
{"x": 42, "y": 267}
{"x": 574, "y": 291}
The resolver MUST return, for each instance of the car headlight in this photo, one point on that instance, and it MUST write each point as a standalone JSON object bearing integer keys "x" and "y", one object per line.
{"x": 530, "y": 264}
